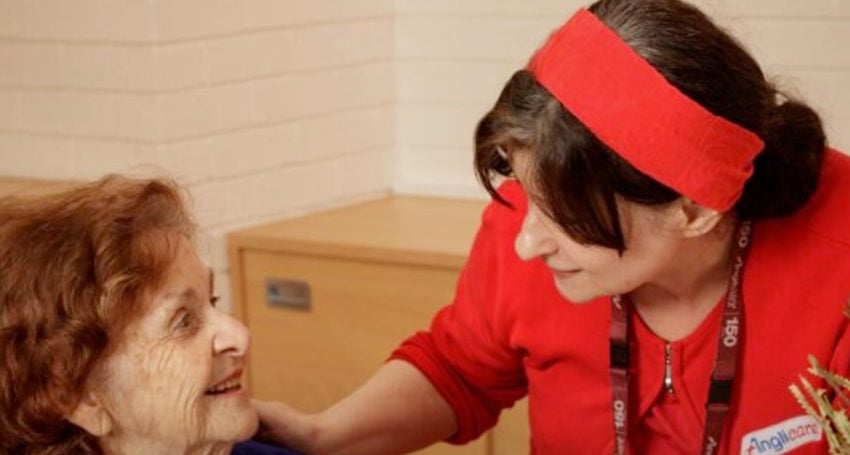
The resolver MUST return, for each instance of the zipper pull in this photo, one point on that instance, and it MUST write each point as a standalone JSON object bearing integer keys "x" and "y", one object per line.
{"x": 668, "y": 367}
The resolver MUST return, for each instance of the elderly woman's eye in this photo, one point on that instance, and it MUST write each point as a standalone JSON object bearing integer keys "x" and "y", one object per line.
{"x": 186, "y": 321}
{"x": 214, "y": 300}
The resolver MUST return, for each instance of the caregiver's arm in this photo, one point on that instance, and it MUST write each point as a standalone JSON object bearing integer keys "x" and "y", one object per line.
{"x": 467, "y": 354}
{"x": 396, "y": 411}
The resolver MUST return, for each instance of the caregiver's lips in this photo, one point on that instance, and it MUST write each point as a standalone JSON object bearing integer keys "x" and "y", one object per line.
{"x": 564, "y": 273}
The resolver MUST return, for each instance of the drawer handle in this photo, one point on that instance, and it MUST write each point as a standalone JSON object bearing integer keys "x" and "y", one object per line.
{"x": 288, "y": 294}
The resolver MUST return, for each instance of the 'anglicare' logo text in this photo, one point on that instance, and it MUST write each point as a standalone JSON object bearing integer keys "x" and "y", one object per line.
{"x": 782, "y": 437}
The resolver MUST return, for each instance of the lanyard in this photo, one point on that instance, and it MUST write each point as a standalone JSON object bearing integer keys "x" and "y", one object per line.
{"x": 722, "y": 376}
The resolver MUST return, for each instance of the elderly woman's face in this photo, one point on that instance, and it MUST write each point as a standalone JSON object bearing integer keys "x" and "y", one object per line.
{"x": 175, "y": 382}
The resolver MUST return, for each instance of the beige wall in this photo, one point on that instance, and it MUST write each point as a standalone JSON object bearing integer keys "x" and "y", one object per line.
{"x": 264, "y": 108}
{"x": 453, "y": 57}
{"x": 269, "y": 108}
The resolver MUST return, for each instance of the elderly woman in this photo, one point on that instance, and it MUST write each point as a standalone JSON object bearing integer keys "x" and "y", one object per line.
{"x": 111, "y": 342}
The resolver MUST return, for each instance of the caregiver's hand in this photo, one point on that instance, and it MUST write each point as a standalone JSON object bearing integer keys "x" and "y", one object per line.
{"x": 396, "y": 411}
{"x": 284, "y": 426}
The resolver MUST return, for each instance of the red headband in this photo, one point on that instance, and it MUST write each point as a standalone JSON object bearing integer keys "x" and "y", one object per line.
{"x": 632, "y": 108}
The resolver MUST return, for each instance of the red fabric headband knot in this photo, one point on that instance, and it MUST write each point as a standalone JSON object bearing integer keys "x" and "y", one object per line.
{"x": 632, "y": 108}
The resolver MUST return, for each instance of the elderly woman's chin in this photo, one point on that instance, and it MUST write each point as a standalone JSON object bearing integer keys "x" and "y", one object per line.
{"x": 238, "y": 422}
{"x": 230, "y": 419}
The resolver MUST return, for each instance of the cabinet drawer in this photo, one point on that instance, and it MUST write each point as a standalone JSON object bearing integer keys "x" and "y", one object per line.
{"x": 360, "y": 311}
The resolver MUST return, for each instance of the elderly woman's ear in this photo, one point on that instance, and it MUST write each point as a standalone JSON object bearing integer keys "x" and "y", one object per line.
{"x": 91, "y": 415}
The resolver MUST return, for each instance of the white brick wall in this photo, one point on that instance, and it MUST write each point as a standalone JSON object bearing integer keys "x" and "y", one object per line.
{"x": 454, "y": 56}
{"x": 263, "y": 108}
{"x": 269, "y": 108}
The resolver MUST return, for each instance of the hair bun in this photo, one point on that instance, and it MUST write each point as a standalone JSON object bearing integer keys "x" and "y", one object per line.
{"x": 786, "y": 172}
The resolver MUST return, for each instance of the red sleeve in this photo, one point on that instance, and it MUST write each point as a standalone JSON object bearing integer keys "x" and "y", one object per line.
{"x": 466, "y": 353}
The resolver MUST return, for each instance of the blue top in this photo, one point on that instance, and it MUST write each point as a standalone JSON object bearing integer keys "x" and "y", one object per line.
{"x": 259, "y": 448}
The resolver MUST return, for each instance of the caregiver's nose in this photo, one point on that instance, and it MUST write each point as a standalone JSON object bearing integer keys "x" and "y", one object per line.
{"x": 534, "y": 238}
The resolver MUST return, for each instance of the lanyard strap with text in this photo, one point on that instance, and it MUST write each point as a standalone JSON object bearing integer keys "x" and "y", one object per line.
{"x": 722, "y": 376}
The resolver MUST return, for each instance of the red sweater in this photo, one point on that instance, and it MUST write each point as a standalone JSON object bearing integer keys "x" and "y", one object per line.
{"x": 508, "y": 333}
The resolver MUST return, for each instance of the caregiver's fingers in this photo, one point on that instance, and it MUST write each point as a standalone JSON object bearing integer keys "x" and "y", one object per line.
{"x": 285, "y": 426}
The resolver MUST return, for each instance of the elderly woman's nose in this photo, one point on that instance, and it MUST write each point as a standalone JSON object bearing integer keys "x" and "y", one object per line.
{"x": 231, "y": 337}
{"x": 535, "y": 238}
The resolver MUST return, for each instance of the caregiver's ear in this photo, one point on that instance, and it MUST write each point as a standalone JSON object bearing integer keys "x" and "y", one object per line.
{"x": 692, "y": 219}
{"x": 91, "y": 415}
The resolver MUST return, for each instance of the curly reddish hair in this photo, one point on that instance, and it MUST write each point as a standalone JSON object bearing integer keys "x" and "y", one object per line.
{"x": 76, "y": 268}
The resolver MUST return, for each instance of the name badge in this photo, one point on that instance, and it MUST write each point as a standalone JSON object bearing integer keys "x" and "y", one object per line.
{"x": 782, "y": 437}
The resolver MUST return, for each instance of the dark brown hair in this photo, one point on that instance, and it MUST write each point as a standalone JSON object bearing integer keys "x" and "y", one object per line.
{"x": 577, "y": 177}
{"x": 75, "y": 269}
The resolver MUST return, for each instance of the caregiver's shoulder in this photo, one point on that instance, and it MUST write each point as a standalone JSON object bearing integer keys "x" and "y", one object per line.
{"x": 826, "y": 214}
{"x": 510, "y": 215}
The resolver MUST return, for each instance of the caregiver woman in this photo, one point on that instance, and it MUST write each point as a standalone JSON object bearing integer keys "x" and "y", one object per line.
{"x": 672, "y": 242}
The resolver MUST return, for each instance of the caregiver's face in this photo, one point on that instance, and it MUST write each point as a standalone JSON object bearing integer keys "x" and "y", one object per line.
{"x": 176, "y": 380}
{"x": 583, "y": 272}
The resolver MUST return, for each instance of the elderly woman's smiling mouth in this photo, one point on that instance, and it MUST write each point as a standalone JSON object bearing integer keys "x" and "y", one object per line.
{"x": 231, "y": 385}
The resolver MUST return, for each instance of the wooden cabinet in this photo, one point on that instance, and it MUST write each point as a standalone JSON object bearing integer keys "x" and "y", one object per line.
{"x": 375, "y": 273}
